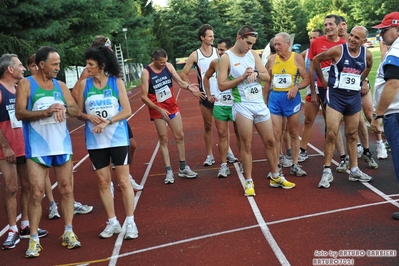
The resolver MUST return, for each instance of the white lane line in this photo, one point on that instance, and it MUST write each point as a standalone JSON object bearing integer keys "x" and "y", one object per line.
{"x": 262, "y": 224}
{"x": 231, "y": 231}
{"x": 119, "y": 240}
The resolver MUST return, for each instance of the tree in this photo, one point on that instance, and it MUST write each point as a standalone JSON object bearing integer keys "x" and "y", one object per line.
{"x": 287, "y": 16}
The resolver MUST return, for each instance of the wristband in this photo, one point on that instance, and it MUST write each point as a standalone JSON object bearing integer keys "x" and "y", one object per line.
{"x": 188, "y": 86}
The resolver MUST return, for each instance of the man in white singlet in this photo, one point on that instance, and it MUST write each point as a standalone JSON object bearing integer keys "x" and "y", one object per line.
{"x": 239, "y": 70}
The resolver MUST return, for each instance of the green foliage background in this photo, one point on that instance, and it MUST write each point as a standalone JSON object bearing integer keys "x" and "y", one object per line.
{"x": 70, "y": 25}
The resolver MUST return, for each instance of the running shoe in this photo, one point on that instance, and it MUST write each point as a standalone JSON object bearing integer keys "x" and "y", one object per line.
{"x": 187, "y": 172}
{"x": 25, "y": 233}
{"x": 33, "y": 249}
{"x": 284, "y": 161}
{"x": 303, "y": 154}
{"x": 241, "y": 167}
{"x": 53, "y": 212}
{"x": 131, "y": 231}
{"x": 381, "y": 151}
{"x": 12, "y": 240}
{"x": 231, "y": 158}
{"x": 280, "y": 181}
{"x": 280, "y": 172}
{"x": 326, "y": 179}
{"x": 387, "y": 146}
{"x": 359, "y": 176}
{"x": 70, "y": 240}
{"x": 224, "y": 171}
{"x": 209, "y": 160}
{"x": 343, "y": 165}
{"x": 136, "y": 187}
{"x": 111, "y": 229}
{"x": 79, "y": 208}
{"x": 368, "y": 158}
{"x": 169, "y": 177}
{"x": 359, "y": 150}
{"x": 296, "y": 169}
{"x": 249, "y": 189}
{"x": 300, "y": 158}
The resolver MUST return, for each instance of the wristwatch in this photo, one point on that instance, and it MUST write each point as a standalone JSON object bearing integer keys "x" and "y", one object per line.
{"x": 257, "y": 72}
{"x": 375, "y": 116}
{"x": 110, "y": 120}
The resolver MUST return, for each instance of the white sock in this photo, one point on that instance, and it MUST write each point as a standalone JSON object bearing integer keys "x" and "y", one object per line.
{"x": 24, "y": 224}
{"x": 112, "y": 220}
{"x": 14, "y": 228}
{"x": 129, "y": 219}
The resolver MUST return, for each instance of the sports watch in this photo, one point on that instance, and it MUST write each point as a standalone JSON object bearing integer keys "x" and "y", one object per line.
{"x": 375, "y": 116}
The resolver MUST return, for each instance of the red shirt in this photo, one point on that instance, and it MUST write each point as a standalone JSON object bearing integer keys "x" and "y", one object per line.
{"x": 319, "y": 45}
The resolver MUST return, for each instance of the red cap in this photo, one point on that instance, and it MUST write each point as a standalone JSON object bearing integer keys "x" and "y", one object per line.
{"x": 392, "y": 19}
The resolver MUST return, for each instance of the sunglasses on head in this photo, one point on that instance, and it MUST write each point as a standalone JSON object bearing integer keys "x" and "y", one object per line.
{"x": 107, "y": 42}
{"x": 250, "y": 33}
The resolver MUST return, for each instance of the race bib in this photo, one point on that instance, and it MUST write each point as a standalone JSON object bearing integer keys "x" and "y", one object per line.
{"x": 282, "y": 81}
{"x": 226, "y": 98}
{"x": 15, "y": 123}
{"x": 349, "y": 81}
{"x": 326, "y": 72}
{"x": 163, "y": 94}
{"x": 104, "y": 111}
{"x": 253, "y": 91}
{"x": 47, "y": 120}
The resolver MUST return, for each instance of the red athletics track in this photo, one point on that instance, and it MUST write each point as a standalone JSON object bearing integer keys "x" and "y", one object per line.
{"x": 208, "y": 221}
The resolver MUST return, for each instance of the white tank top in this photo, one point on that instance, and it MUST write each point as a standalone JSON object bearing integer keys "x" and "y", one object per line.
{"x": 244, "y": 92}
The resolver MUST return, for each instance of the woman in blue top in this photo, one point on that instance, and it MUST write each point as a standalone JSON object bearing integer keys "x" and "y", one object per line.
{"x": 105, "y": 106}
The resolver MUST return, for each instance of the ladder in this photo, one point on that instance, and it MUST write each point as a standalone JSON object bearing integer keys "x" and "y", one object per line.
{"x": 119, "y": 56}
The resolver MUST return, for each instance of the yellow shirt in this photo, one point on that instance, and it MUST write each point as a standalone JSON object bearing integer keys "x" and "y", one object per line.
{"x": 284, "y": 73}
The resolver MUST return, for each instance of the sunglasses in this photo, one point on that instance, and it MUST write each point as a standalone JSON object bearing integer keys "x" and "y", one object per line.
{"x": 250, "y": 33}
{"x": 385, "y": 29}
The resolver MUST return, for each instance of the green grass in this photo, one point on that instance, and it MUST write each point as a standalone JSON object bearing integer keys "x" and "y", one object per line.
{"x": 376, "y": 62}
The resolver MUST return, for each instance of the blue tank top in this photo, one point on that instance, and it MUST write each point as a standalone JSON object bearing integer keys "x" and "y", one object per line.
{"x": 104, "y": 102}
{"x": 346, "y": 72}
{"x": 45, "y": 137}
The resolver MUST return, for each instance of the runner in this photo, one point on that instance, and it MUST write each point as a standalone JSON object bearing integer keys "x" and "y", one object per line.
{"x": 351, "y": 64}
{"x": 239, "y": 70}
{"x": 284, "y": 100}
{"x": 222, "y": 110}
{"x": 201, "y": 59}
{"x": 157, "y": 93}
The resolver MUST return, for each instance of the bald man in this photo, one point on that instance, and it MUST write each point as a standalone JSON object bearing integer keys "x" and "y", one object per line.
{"x": 351, "y": 64}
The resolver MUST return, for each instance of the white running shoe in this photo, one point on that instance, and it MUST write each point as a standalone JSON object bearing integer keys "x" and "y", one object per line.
{"x": 209, "y": 160}
{"x": 131, "y": 231}
{"x": 53, "y": 212}
{"x": 231, "y": 158}
{"x": 169, "y": 179}
{"x": 224, "y": 171}
{"x": 326, "y": 179}
{"x": 284, "y": 161}
{"x": 136, "y": 187}
{"x": 381, "y": 151}
{"x": 359, "y": 151}
{"x": 359, "y": 176}
{"x": 111, "y": 229}
{"x": 187, "y": 172}
{"x": 79, "y": 208}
